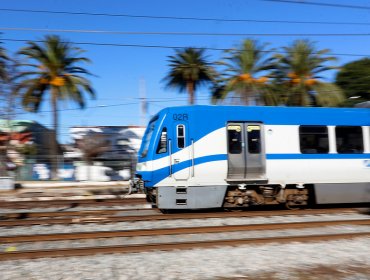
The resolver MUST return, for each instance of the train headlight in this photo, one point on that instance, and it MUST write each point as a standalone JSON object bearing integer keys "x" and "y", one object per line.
{"x": 141, "y": 166}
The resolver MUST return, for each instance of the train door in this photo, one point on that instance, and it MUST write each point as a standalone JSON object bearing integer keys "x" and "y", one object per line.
{"x": 246, "y": 153}
{"x": 181, "y": 155}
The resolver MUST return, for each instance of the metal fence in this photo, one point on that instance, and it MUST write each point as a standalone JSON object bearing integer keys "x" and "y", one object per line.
{"x": 39, "y": 168}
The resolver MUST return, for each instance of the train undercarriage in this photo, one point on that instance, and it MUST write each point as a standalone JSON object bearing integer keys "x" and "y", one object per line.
{"x": 293, "y": 196}
{"x": 243, "y": 195}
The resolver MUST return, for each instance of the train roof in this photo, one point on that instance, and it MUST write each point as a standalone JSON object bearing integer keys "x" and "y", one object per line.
{"x": 275, "y": 114}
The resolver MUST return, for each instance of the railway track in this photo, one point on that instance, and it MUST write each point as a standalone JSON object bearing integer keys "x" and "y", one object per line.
{"x": 27, "y": 204}
{"x": 181, "y": 245}
{"x": 68, "y": 213}
{"x": 114, "y": 216}
{"x": 173, "y": 231}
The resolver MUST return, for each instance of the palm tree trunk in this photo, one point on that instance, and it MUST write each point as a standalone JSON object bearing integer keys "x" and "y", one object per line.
{"x": 54, "y": 142}
{"x": 2, "y": 144}
{"x": 302, "y": 96}
{"x": 190, "y": 88}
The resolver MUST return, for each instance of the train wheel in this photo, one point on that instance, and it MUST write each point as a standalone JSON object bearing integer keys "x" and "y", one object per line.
{"x": 294, "y": 206}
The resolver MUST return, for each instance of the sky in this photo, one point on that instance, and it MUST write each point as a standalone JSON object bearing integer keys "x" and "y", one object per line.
{"x": 128, "y": 67}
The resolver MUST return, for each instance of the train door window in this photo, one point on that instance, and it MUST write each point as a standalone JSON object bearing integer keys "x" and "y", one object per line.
{"x": 234, "y": 133}
{"x": 180, "y": 136}
{"x": 254, "y": 139}
{"x": 313, "y": 139}
{"x": 349, "y": 139}
{"x": 162, "y": 144}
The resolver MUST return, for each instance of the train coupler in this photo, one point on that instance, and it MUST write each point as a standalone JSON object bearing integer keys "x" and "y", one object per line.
{"x": 136, "y": 185}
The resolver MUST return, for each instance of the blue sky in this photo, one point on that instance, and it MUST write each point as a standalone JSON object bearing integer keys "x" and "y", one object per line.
{"x": 123, "y": 73}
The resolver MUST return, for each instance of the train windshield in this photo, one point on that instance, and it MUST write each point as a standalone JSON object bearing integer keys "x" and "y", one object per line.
{"x": 148, "y": 136}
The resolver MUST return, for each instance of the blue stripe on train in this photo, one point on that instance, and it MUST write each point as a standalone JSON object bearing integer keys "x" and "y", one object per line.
{"x": 160, "y": 174}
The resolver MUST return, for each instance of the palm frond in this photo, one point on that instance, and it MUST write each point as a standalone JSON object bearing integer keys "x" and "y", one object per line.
{"x": 189, "y": 66}
{"x": 54, "y": 59}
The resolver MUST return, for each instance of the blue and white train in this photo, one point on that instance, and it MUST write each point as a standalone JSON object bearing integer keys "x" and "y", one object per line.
{"x": 195, "y": 157}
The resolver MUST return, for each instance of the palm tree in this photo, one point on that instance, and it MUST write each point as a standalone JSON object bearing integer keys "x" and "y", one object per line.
{"x": 244, "y": 77}
{"x": 189, "y": 69}
{"x": 298, "y": 72}
{"x": 4, "y": 59}
{"x": 3, "y": 82}
{"x": 53, "y": 69}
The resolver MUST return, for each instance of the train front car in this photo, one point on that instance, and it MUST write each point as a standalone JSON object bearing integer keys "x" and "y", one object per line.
{"x": 196, "y": 157}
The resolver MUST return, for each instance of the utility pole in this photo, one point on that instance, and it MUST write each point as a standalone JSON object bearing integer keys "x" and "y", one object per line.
{"x": 143, "y": 102}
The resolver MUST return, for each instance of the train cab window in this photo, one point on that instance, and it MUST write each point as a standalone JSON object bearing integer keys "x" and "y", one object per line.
{"x": 162, "y": 144}
{"x": 180, "y": 136}
{"x": 313, "y": 139}
{"x": 147, "y": 137}
{"x": 234, "y": 133}
{"x": 349, "y": 139}
{"x": 254, "y": 139}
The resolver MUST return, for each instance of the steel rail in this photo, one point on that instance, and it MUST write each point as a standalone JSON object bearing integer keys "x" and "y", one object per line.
{"x": 174, "y": 231}
{"x": 125, "y": 249}
{"x": 54, "y": 214}
{"x": 158, "y": 217}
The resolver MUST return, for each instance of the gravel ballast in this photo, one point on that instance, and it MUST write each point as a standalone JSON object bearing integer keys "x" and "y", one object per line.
{"x": 343, "y": 259}
{"x": 39, "y": 229}
{"x": 347, "y": 258}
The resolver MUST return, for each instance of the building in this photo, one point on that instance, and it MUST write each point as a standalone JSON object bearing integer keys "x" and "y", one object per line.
{"x": 23, "y": 138}
{"x": 113, "y": 147}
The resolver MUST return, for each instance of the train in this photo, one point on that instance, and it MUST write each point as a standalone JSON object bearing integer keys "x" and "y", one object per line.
{"x": 209, "y": 156}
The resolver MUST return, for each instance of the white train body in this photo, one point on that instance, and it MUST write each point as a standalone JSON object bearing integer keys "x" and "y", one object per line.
{"x": 213, "y": 156}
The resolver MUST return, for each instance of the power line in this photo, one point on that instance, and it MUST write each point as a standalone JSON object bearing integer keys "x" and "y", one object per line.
{"x": 74, "y": 109}
{"x": 155, "y": 99}
{"x": 106, "y": 106}
{"x": 163, "y": 46}
{"x": 181, "y": 18}
{"x": 314, "y": 3}
{"x": 183, "y": 33}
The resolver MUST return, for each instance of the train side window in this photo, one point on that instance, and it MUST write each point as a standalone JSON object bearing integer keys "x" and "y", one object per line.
{"x": 254, "y": 139}
{"x": 349, "y": 139}
{"x": 162, "y": 144}
{"x": 180, "y": 136}
{"x": 313, "y": 139}
{"x": 234, "y": 133}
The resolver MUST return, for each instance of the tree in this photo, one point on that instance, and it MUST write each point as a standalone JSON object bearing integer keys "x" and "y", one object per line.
{"x": 53, "y": 69}
{"x": 4, "y": 80}
{"x": 93, "y": 145}
{"x": 3, "y": 65}
{"x": 354, "y": 79}
{"x": 245, "y": 75}
{"x": 298, "y": 73}
{"x": 189, "y": 70}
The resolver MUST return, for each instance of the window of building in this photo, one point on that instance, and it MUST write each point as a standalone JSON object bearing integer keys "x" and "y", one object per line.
{"x": 313, "y": 139}
{"x": 162, "y": 144}
{"x": 180, "y": 136}
{"x": 254, "y": 139}
{"x": 349, "y": 139}
{"x": 234, "y": 133}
